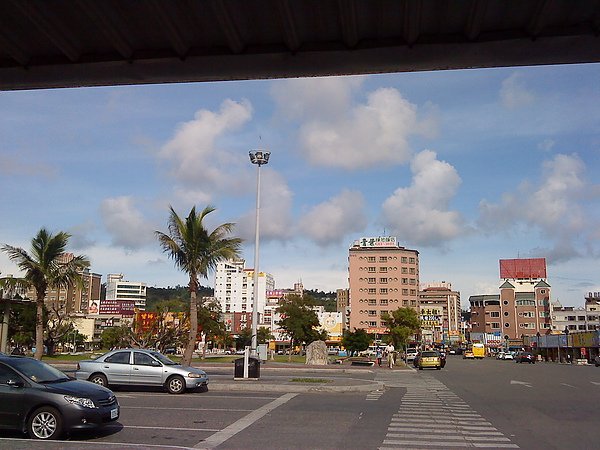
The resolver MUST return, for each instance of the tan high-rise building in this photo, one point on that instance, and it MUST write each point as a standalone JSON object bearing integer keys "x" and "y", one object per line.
{"x": 383, "y": 276}
{"x": 440, "y": 313}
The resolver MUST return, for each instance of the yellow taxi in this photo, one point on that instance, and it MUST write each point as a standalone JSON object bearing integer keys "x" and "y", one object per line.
{"x": 430, "y": 358}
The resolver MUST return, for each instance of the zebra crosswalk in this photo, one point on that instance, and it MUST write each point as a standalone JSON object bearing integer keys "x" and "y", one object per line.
{"x": 431, "y": 416}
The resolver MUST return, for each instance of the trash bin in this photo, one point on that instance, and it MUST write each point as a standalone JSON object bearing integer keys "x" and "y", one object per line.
{"x": 253, "y": 368}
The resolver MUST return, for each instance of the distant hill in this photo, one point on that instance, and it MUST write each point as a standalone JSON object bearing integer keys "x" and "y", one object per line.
{"x": 156, "y": 294}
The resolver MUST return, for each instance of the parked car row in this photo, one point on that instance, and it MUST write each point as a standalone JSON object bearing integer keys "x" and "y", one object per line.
{"x": 45, "y": 403}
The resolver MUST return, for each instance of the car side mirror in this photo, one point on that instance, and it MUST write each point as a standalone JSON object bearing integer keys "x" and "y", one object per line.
{"x": 15, "y": 383}
{"x": 155, "y": 363}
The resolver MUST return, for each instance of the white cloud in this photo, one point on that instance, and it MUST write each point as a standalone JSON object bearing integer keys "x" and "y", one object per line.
{"x": 554, "y": 206}
{"x": 26, "y": 167}
{"x": 193, "y": 152}
{"x": 419, "y": 213}
{"x": 334, "y": 132}
{"x": 546, "y": 145}
{"x": 275, "y": 210}
{"x": 514, "y": 93}
{"x": 125, "y": 223}
{"x": 315, "y": 98}
{"x": 331, "y": 221}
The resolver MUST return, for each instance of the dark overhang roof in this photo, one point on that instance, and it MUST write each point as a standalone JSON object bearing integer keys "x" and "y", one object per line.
{"x": 68, "y": 43}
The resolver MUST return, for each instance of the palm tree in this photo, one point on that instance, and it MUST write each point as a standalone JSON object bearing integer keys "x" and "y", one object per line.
{"x": 196, "y": 252}
{"x": 46, "y": 266}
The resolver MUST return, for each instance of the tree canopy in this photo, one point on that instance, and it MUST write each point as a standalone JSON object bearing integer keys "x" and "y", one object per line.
{"x": 402, "y": 323}
{"x": 195, "y": 250}
{"x": 299, "y": 320}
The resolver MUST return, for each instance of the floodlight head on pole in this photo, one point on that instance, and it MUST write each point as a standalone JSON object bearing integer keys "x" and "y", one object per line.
{"x": 259, "y": 157}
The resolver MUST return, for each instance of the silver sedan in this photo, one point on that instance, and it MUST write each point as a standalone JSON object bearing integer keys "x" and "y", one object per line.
{"x": 139, "y": 367}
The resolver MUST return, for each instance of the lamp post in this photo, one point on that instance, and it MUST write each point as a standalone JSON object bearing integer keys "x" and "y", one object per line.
{"x": 567, "y": 349}
{"x": 538, "y": 343}
{"x": 259, "y": 158}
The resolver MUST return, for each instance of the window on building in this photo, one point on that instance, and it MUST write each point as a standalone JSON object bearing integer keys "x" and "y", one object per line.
{"x": 371, "y": 280}
{"x": 525, "y": 302}
{"x": 372, "y": 312}
{"x": 412, "y": 281}
{"x": 372, "y": 324}
{"x": 411, "y": 270}
{"x": 383, "y": 280}
{"x": 580, "y": 317}
{"x": 383, "y": 269}
{"x": 581, "y": 327}
{"x": 372, "y": 301}
{"x": 505, "y": 313}
{"x": 383, "y": 291}
{"x": 404, "y": 259}
{"x": 383, "y": 302}
{"x": 413, "y": 303}
{"x": 370, "y": 258}
{"x": 411, "y": 260}
{"x": 404, "y": 302}
{"x": 404, "y": 280}
{"x": 495, "y": 325}
{"x": 371, "y": 269}
{"x": 405, "y": 270}
{"x": 544, "y": 314}
{"x": 494, "y": 313}
{"x": 413, "y": 292}
{"x": 404, "y": 291}
{"x": 371, "y": 291}
{"x": 383, "y": 259}
{"x": 506, "y": 324}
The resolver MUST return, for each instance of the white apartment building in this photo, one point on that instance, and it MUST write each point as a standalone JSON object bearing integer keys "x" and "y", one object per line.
{"x": 577, "y": 319}
{"x": 119, "y": 289}
{"x": 234, "y": 287}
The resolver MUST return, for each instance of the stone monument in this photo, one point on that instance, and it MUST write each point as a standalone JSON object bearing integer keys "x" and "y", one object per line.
{"x": 316, "y": 354}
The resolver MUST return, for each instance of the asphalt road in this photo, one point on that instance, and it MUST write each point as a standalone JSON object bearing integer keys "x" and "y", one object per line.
{"x": 470, "y": 404}
{"x": 539, "y": 406}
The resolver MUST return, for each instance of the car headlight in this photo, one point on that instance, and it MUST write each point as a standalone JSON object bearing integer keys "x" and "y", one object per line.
{"x": 85, "y": 402}
{"x": 195, "y": 375}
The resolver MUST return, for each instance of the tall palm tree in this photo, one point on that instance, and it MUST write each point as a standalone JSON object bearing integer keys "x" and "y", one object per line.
{"x": 196, "y": 251}
{"x": 45, "y": 267}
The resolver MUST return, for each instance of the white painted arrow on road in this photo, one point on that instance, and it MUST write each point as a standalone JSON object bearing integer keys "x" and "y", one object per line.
{"x": 595, "y": 382}
{"x": 522, "y": 383}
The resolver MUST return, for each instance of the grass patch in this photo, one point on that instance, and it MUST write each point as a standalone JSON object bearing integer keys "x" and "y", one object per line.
{"x": 310, "y": 380}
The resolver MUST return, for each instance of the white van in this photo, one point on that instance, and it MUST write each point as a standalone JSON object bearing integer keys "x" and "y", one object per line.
{"x": 411, "y": 353}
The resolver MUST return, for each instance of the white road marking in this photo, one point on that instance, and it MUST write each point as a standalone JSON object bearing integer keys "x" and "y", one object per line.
{"x": 230, "y": 431}
{"x": 522, "y": 383}
{"x": 162, "y": 408}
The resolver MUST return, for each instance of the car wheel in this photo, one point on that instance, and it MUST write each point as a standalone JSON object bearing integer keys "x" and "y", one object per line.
{"x": 45, "y": 423}
{"x": 99, "y": 379}
{"x": 438, "y": 368}
{"x": 176, "y": 385}
{"x": 203, "y": 388}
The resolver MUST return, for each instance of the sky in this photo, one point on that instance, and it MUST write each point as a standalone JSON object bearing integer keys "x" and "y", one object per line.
{"x": 467, "y": 167}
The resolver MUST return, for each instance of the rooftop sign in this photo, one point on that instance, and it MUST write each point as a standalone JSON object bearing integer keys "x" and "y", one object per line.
{"x": 523, "y": 268}
{"x": 379, "y": 241}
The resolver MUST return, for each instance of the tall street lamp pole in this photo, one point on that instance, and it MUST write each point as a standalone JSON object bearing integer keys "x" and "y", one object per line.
{"x": 259, "y": 158}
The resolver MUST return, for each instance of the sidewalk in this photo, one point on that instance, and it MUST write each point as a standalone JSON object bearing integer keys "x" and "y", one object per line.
{"x": 288, "y": 377}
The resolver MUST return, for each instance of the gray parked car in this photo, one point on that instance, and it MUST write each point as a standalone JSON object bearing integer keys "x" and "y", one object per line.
{"x": 138, "y": 367}
{"x": 44, "y": 402}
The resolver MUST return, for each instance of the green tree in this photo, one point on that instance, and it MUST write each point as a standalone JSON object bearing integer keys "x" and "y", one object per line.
{"x": 46, "y": 267}
{"x": 356, "y": 341}
{"x": 196, "y": 251}
{"x": 402, "y": 324}
{"x": 298, "y": 319}
{"x": 244, "y": 338}
{"x": 116, "y": 337}
{"x": 21, "y": 324}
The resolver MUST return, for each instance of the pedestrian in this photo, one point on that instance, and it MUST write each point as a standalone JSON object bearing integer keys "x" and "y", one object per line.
{"x": 379, "y": 355}
{"x": 390, "y": 350}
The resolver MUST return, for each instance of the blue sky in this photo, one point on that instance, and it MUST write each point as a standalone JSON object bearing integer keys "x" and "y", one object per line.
{"x": 468, "y": 167}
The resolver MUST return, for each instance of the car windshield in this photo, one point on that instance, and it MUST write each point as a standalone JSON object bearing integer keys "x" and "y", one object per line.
{"x": 38, "y": 371}
{"x": 163, "y": 359}
{"x": 429, "y": 354}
